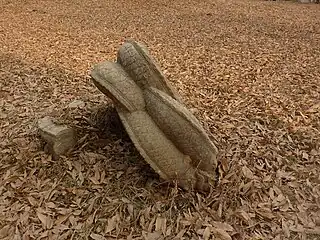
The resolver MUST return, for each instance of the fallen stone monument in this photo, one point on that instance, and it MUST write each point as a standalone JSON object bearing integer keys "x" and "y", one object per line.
{"x": 164, "y": 131}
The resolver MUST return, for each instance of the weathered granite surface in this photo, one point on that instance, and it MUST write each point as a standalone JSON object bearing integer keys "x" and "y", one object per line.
{"x": 59, "y": 138}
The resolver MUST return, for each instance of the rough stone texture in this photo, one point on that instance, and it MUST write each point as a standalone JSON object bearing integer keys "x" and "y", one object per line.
{"x": 114, "y": 82}
{"x": 142, "y": 68}
{"x": 59, "y": 138}
{"x": 182, "y": 128}
{"x": 164, "y": 131}
{"x": 162, "y": 155}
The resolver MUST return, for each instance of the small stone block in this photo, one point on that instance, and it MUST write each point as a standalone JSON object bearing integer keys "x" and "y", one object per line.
{"x": 59, "y": 138}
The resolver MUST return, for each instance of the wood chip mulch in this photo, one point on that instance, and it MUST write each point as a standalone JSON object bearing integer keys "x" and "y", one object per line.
{"x": 249, "y": 70}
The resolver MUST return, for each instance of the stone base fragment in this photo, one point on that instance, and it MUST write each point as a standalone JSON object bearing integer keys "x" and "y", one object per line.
{"x": 59, "y": 138}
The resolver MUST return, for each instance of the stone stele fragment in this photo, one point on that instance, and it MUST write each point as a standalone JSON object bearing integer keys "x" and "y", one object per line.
{"x": 165, "y": 132}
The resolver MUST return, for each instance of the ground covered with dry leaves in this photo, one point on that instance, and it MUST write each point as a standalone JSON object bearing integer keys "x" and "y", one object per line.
{"x": 249, "y": 70}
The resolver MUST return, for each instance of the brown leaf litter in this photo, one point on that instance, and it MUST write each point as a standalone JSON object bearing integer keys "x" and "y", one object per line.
{"x": 249, "y": 70}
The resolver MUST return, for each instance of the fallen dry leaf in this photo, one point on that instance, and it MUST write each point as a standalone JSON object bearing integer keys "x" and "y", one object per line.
{"x": 207, "y": 233}
{"x": 5, "y": 231}
{"x": 112, "y": 223}
{"x": 247, "y": 172}
{"x": 95, "y": 236}
{"x": 224, "y": 226}
{"x": 161, "y": 225}
{"x": 153, "y": 236}
{"x": 221, "y": 234}
{"x": 45, "y": 220}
